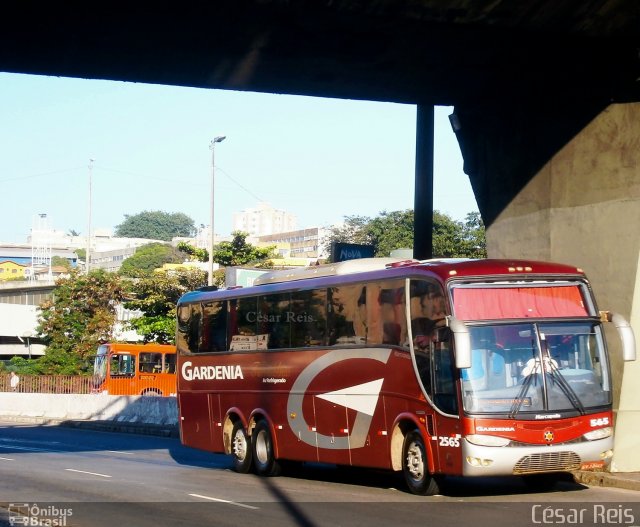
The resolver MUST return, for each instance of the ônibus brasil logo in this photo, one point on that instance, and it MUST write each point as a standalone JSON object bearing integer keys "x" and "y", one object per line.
{"x": 210, "y": 373}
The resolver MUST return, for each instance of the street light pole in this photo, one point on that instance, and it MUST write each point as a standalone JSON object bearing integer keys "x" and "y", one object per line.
{"x": 212, "y": 145}
{"x": 87, "y": 255}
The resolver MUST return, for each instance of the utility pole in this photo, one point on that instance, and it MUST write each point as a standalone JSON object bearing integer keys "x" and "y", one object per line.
{"x": 87, "y": 256}
{"x": 215, "y": 140}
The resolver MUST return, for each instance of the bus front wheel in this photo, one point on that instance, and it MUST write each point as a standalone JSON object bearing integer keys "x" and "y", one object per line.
{"x": 263, "y": 453}
{"x": 240, "y": 449}
{"x": 415, "y": 467}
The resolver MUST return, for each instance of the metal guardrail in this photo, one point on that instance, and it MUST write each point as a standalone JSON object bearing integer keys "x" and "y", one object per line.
{"x": 145, "y": 384}
{"x": 48, "y": 384}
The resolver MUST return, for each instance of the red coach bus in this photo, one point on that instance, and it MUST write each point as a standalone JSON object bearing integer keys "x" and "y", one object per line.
{"x": 434, "y": 368}
{"x": 135, "y": 369}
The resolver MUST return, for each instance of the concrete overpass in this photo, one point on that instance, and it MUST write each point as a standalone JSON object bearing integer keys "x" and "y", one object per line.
{"x": 545, "y": 95}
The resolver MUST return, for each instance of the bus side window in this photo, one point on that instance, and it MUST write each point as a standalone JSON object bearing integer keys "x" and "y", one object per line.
{"x": 308, "y": 318}
{"x": 274, "y": 319}
{"x": 169, "y": 363}
{"x": 188, "y": 330}
{"x": 428, "y": 308}
{"x": 123, "y": 365}
{"x": 214, "y": 330}
{"x": 150, "y": 362}
{"x": 347, "y": 315}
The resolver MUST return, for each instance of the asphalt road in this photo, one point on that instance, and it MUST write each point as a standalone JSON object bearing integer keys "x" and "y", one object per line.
{"x": 66, "y": 476}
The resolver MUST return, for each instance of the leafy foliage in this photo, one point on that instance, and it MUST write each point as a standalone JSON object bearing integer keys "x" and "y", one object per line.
{"x": 395, "y": 230}
{"x": 236, "y": 252}
{"x": 239, "y": 252}
{"x": 150, "y": 257}
{"x": 156, "y": 225}
{"x": 156, "y": 296}
{"x": 195, "y": 254}
{"x": 80, "y": 316}
{"x": 59, "y": 261}
{"x": 390, "y": 231}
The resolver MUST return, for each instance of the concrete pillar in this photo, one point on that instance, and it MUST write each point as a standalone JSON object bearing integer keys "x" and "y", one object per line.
{"x": 583, "y": 208}
{"x": 423, "y": 199}
{"x": 626, "y": 450}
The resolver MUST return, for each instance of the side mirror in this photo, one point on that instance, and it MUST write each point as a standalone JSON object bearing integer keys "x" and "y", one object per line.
{"x": 462, "y": 341}
{"x": 625, "y": 331}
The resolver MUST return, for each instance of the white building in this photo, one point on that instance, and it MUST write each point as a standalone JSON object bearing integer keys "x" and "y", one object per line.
{"x": 303, "y": 243}
{"x": 264, "y": 220}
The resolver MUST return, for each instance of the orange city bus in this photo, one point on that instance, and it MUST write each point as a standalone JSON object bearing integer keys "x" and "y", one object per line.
{"x": 432, "y": 368}
{"x": 135, "y": 369}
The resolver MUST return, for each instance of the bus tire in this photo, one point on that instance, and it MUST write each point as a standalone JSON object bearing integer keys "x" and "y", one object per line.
{"x": 240, "y": 448}
{"x": 415, "y": 467}
{"x": 264, "y": 460}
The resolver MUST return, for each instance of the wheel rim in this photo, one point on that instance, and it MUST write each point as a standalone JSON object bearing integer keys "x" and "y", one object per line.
{"x": 415, "y": 461}
{"x": 262, "y": 450}
{"x": 240, "y": 445}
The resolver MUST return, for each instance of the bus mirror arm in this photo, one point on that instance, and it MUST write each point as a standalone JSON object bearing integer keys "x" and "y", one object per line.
{"x": 625, "y": 331}
{"x": 462, "y": 341}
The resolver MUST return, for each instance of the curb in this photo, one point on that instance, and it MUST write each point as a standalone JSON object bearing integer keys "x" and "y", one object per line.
{"x": 101, "y": 426}
{"x": 606, "y": 479}
{"x": 127, "y": 428}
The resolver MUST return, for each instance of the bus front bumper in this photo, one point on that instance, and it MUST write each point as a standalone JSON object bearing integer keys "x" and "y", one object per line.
{"x": 535, "y": 459}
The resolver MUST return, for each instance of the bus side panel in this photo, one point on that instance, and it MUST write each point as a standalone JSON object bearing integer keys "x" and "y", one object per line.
{"x": 400, "y": 395}
{"x": 217, "y": 423}
{"x": 195, "y": 420}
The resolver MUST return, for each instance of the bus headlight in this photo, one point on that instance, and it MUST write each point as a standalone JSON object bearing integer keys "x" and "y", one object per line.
{"x": 600, "y": 433}
{"x": 485, "y": 440}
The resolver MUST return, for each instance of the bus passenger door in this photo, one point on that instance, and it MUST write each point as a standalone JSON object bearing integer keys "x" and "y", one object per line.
{"x": 447, "y": 423}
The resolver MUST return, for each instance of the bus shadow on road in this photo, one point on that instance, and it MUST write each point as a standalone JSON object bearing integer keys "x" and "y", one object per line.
{"x": 450, "y": 486}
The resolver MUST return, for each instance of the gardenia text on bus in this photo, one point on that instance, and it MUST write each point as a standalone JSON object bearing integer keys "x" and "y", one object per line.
{"x": 210, "y": 373}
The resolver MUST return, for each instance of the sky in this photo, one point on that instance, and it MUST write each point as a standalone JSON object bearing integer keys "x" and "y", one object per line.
{"x": 321, "y": 159}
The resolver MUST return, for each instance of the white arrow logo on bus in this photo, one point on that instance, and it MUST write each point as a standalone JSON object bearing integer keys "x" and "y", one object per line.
{"x": 361, "y": 398}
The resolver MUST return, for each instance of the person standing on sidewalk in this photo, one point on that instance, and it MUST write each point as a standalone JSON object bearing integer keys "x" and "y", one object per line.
{"x": 15, "y": 380}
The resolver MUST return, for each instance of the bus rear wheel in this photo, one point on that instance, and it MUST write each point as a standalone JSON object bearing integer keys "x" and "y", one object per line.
{"x": 415, "y": 468}
{"x": 263, "y": 453}
{"x": 240, "y": 449}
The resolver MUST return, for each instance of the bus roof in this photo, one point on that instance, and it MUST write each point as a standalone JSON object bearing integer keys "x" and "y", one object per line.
{"x": 386, "y": 268}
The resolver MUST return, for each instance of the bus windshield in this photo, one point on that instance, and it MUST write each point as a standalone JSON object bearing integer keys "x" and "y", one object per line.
{"x": 536, "y": 367}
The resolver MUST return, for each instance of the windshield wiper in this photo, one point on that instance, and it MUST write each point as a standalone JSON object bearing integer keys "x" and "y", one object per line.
{"x": 517, "y": 403}
{"x": 565, "y": 386}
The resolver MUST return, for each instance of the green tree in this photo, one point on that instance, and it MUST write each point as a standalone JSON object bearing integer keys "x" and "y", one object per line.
{"x": 77, "y": 319}
{"x": 156, "y": 225}
{"x": 194, "y": 253}
{"x": 395, "y": 230}
{"x": 60, "y": 261}
{"x": 390, "y": 231}
{"x": 156, "y": 297}
{"x": 150, "y": 257}
{"x": 24, "y": 366}
{"x": 239, "y": 252}
{"x": 236, "y": 252}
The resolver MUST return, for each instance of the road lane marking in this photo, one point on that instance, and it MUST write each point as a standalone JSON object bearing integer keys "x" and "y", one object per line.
{"x": 224, "y": 501}
{"x": 26, "y": 448}
{"x": 6, "y": 458}
{"x": 12, "y": 440}
{"x": 90, "y": 473}
{"x": 121, "y": 452}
